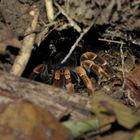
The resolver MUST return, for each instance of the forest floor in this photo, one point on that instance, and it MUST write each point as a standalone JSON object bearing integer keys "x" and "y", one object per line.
{"x": 56, "y": 35}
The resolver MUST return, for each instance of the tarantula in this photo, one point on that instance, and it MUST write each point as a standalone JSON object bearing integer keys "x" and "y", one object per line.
{"x": 73, "y": 79}
{"x": 87, "y": 75}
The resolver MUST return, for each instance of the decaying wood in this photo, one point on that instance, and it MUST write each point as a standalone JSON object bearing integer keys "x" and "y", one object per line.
{"x": 54, "y": 99}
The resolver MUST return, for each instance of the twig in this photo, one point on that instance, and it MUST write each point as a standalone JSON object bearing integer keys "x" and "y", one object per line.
{"x": 130, "y": 99}
{"x": 122, "y": 63}
{"x": 46, "y": 31}
{"x": 76, "y": 43}
{"x": 127, "y": 92}
{"x": 28, "y": 42}
{"x": 107, "y": 13}
{"x": 49, "y": 10}
{"x": 111, "y": 41}
{"x": 136, "y": 2}
{"x": 72, "y": 23}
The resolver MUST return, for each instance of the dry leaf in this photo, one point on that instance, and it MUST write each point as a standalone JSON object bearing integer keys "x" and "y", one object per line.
{"x": 22, "y": 120}
{"x": 103, "y": 104}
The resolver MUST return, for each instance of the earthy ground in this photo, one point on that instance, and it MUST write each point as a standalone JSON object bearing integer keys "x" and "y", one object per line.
{"x": 110, "y": 28}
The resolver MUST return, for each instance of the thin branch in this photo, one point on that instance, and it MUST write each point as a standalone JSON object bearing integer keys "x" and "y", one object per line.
{"x": 136, "y": 2}
{"x": 122, "y": 63}
{"x": 72, "y": 23}
{"x": 76, "y": 43}
{"x": 111, "y": 41}
{"x": 127, "y": 92}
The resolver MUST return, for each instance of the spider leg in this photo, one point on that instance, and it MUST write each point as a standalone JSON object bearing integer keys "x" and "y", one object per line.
{"x": 82, "y": 73}
{"x": 63, "y": 78}
{"x": 57, "y": 78}
{"x": 98, "y": 60}
{"x": 88, "y": 56}
{"x": 88, "y": 64}
{"x": 36, "y": 71}
{"x": 68, "y": 81}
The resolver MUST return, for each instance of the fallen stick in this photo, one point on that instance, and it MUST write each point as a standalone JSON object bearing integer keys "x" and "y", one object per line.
{"x": 49, "y": 10}
{"x": 54, "y": 99}
{"x": 28, "y": 44}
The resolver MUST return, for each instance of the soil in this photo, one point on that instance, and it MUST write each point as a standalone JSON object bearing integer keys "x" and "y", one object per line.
{"x": 111, "y": 21}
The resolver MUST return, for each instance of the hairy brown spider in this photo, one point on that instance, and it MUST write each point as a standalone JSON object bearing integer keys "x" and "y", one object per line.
{"x": 74, "y": 79}
{"x": 86, "y": 76}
